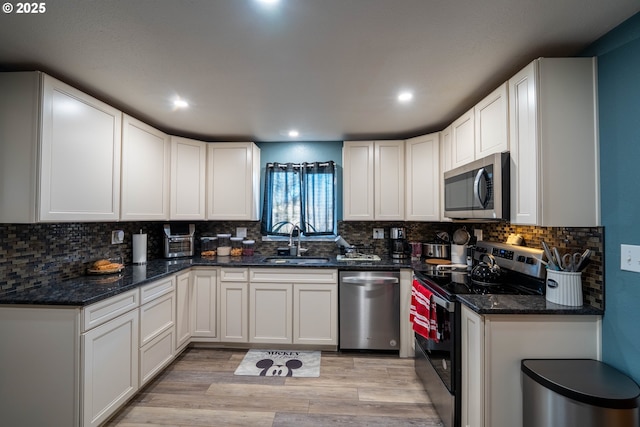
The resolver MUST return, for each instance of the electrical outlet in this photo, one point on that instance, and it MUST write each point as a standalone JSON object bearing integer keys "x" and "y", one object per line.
{"x": 630, "y": 258}
{"x": 477, "y": 232}
{"x": 378, "y": 233}
{"x": 117, "y": 237}
{"x": 241, "y": 232}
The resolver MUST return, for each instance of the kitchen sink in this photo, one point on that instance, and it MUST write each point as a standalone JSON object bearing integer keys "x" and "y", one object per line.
{"x": 296, "y": 260}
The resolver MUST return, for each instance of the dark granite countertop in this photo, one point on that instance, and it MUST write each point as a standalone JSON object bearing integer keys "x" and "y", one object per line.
{"x": 521, "y": 304}
{"x": 87, "y": 290}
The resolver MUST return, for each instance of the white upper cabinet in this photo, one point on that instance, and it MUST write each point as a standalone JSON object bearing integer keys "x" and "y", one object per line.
{"x": 445, "y": 165}
{"x": 188, "y": 178}
{"x": 373, "y": 180}
{"x": 463, "y": 140}
{"x": 145, "y": 172}
{"x": 357, "y": 170}
{"x": 422, "y": 167}
{"x": 389, "y": 180}
{"x": 481, "y": 131}
{"x": 233, "y": 181}
{"x": 60, "y": 153}
{"x": 492, "y": 123}
{"x": 554, "y": 144}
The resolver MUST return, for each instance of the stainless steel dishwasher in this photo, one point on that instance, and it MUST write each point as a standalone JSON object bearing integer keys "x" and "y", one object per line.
{"x": 369, "y": 310}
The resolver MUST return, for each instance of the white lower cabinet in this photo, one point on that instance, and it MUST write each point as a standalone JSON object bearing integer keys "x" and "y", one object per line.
{"x": 205, "y": 315}
{"x": 472, "y": 358}
{"x": 183, "y": 311}
{"x": 315, "y": 314}
{"x": 493, "y": 347}
{"x": 271, "y": 313}
{"x": 109, "y": 367}
{"x": 157, "y": 327}
{"x": 298, "y": 306}
{"x": 234, "y": 305}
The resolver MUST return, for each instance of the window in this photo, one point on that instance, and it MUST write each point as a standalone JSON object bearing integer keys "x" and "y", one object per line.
{"x": 301, "y": 194}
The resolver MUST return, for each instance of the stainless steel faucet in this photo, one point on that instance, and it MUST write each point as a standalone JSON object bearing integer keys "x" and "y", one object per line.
{"x": 298, "y": 247}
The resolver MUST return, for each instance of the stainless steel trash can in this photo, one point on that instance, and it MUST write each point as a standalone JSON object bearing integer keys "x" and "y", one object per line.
{"x": 577, "y": 393}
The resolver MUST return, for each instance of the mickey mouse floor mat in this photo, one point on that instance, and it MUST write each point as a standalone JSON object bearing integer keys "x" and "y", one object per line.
{"x": 280, "y": 363}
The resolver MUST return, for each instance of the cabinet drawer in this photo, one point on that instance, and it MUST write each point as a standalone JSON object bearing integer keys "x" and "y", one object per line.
{"x": 103, "y": 311}
{"x": 156, "y": 316}
{"x": 155, "y": 355}
{"x": 157, "y": 289}
{"x": 234, "y": 274}
{"x": 294, "y": 275}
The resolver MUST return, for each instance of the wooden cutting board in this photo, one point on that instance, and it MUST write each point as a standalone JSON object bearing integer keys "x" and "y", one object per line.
{"x": 437, "y": 261}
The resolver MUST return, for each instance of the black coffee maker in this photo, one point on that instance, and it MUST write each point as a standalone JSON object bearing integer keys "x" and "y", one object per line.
{"x": 399, "y": 247}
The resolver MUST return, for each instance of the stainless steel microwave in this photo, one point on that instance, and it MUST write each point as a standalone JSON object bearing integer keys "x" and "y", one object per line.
{"x": 479, "y": 190}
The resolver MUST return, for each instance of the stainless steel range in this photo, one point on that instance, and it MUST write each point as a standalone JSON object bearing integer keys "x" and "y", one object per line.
{"x": 438, "y": 363}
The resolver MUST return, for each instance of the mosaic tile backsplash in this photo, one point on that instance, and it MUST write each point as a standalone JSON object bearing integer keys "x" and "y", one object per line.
{"x": 33, "y": 254}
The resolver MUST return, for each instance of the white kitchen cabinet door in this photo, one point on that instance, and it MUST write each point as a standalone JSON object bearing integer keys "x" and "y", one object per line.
{"x": 445, "y": 165}
{"x": 554, "y": 139}
{"x": 156, "y": 355}
{"x": 472, "y": 359}
{"x": 389, "y": 178}
{"x": 233, "y": 181}
{"x": 40, "y": 365}
{"x": 511, "y": 338}
{"x": 80, "y": 156}
{"x": 206, "y": 315}
{"x": 183, "y": 311}
{"x": 463, "y": 140}
{"x": 271, "y": 313}
{"x": 109, "y": 367}
{"x": 234, "y": 315}
{"x": 188, "y": 179}
{"x": 358, "y": 180}
{"x": 446, "y": 155}
{"x": 423, "y": 178}
{"x": 146, "y": 162}
{"x": 315, "y": 314}
{"x": 492, "y": 123}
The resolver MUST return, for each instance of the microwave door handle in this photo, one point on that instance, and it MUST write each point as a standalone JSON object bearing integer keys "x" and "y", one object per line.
{"x": 476, "y": 187}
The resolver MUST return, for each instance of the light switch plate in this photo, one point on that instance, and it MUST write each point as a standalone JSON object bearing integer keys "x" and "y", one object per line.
{"x": 630, "y": 258}
{"x": 378, "y": 233}
{"x": 241, "y": 232}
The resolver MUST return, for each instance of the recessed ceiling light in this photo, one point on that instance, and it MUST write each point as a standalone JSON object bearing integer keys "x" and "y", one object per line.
{"x": 180, "y": 103}
{"x": 405, "y": 96}
{"x": 269, "y": 2}
{"x": 294, "y": 133}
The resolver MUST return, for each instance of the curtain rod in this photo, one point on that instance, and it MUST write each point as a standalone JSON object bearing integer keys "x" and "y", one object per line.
{"x": 299, "y": 165}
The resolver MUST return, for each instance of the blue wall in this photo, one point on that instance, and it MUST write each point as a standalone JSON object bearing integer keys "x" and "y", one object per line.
{"x": 297, "y": 152}
{"x": 618, "y": 55}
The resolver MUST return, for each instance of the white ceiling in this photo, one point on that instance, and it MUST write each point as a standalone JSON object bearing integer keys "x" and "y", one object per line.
{"x": 329, "y": 68}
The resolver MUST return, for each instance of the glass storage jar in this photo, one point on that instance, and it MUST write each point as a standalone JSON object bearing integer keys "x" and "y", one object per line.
{"x": 236, "y": 246}
{"x": 224, "y": 244}
{"x": 247, "y": 247}
{"x": 209, "y": 246}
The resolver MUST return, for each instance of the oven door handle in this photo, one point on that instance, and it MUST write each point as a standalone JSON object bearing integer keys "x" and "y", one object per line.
{"x": 447, "y": 305}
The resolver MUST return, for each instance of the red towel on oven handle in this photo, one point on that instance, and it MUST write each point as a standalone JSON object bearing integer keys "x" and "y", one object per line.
{"x": 422, "y": 312}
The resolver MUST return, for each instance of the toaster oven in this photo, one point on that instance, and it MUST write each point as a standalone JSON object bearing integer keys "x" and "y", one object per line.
{"x": 179, "y": 240}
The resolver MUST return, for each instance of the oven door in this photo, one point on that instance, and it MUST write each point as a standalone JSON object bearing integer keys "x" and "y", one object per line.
{"x": 438, "y": 364}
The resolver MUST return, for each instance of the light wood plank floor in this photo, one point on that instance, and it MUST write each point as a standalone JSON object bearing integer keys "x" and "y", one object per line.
{"x": 200, "y": 389}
